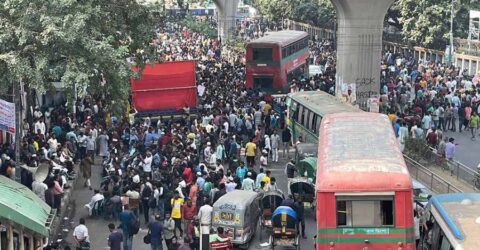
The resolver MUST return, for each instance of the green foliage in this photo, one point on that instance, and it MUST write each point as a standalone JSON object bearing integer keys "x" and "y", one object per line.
{"x": 204, "y": 28}
{"x": 81, "y": 43}
{"x": 427, "y": 22}
{"x": 315, "y": 12}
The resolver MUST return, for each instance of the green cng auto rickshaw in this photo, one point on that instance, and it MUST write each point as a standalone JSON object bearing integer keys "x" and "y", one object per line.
{"x": 307, "y": 167}
{"x": 237, "y": 212}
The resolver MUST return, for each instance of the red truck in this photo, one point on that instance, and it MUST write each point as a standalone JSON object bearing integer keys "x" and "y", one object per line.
{"x": 165, "y": 90}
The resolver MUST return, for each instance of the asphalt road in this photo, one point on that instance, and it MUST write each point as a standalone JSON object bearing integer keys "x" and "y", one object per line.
{"x": 467, "y": 150}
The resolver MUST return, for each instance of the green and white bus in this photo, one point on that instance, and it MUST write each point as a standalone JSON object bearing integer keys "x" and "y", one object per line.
{"x": 306, "y": 109}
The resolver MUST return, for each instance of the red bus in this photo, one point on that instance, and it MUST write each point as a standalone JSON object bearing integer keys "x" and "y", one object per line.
{"x": 274, "y": 60}
{"x": 363, "y": 187}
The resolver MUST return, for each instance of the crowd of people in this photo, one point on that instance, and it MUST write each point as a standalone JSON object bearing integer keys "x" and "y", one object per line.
{"x": 166, "y": 173}
{"x": 171, "y": 171}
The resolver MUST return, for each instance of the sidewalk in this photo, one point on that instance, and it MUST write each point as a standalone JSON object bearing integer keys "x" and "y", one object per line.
{"x": 458, "y": 183}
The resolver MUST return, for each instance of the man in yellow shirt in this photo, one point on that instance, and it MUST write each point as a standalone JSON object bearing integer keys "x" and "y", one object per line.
{"x": 250, "y": 150}
{"x": 266, "y": 108}
{"x": 266, "y": 179}
{"x": 177, "y": 203}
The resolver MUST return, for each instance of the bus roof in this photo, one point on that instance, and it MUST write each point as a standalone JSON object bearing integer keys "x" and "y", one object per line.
{"x": 358, "y": 152}
{"x": 460, "y": 216}
{"x": 321, "y": 102}
{"x": 284, "y": 37}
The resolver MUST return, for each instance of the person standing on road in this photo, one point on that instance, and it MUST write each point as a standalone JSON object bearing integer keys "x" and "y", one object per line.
{"x": 248, "y": 184}
{"x": 205, "y": 217}
{"x": 450, "y": 153}
{"x": 250, "y": 150}
{"x": 80, "y": 234}
{"x": 125, "y": 217}
{"x": 275, "y": 141}
{"x": 177, "y": 203}
{"x": 474, "y": 124}
{"x": 115, "y": 238}
{"x": 286, "y": 138}
{"x": 156, "y": 230}
{"x": 86, "y": 168}
{"x": 169, "y": 230}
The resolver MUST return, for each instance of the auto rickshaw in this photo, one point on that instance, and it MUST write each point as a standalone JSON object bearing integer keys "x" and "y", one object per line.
{"x": 237, "y": 212}
{"x": 268, "y": 203}
{"x": 284, "y": 224}
{"x": 304, "y": 150}
{"x": 302, "y": 188}
{"x": 307, "y": 167}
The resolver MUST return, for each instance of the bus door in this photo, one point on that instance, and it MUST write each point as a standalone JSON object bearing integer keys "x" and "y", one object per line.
{"x": 296, "y": 73}
{"x": 263, "y": 83}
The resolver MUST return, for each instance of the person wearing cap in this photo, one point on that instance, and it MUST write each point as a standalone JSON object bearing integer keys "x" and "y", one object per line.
{"x": 264, "y": 159}
{"x": 207, "y": 152}
{"x": 231, "y": 185}
{"x": 248, "y": 184}
{"x": 200, "y": 181}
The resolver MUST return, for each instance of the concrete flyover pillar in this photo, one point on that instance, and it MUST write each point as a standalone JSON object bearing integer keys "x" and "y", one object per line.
{"x": 226, "y": 13}
{"x": 359, "y": 47}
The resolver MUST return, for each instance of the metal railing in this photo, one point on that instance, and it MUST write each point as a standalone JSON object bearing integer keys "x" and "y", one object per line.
{"x": 431, "y": 180}
{"x": 429, "y": 158}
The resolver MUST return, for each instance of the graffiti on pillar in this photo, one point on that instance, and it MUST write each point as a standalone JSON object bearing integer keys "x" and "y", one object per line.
{"x": 366, "y": 88}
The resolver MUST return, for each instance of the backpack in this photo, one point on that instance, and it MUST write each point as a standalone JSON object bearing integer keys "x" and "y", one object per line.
{"x": 134, "y": 225}
{"x": 147, "y": 192}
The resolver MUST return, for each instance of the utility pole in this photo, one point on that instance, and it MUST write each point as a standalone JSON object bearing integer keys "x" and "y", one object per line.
{"x": 450, "y": 49}
{"x": 17, "y": 98}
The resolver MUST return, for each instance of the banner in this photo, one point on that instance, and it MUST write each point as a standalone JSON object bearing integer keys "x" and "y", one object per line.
{"x": 7, "y": 116}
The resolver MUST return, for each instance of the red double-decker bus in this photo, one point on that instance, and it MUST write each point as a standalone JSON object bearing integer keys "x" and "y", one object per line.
{"x": 274, "y": 60}
{"x": 364, "y": 189}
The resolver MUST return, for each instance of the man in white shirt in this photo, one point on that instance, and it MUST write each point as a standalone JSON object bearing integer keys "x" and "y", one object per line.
{"x": 275, "y": 142}
{"x": 80, "y": 234}
{"x": 52, "y": 144}
{"x": 95, "y": 198}
{"x": 248, "y": 184}
{"x": 205, "y": 217}
{"x": 231, "y": 185}
{"x": 39, "y": 189}
{"x": 147, "y": 164}
{"x": 39, "y": 125}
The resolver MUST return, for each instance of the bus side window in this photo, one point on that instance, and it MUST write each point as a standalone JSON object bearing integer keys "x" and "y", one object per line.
{"x": 311, "y": 122}
{"x": 297, "y": 113}
{"x": 314, "y": 123}
{"x": 317, "y": 126}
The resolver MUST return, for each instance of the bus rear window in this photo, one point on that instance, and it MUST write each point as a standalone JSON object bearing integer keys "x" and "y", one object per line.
{"x": 365, "y": 212}
{"x": 262, "y": 54}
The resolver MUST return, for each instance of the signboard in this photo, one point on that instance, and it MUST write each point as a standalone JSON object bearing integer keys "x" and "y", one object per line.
{"x": 7, "y": 116}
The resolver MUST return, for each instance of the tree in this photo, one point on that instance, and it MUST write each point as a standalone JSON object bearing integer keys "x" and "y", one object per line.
{"x": 315, "y": 12}
{"x": 427, "y": 22}
{"x": 80, "y": 43}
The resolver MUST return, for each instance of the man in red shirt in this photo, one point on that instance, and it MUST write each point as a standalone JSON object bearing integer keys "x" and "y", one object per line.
{"x": 187, "y": 174}
{"x": 432, "y": 138}
{"x": 189, "y": 210}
